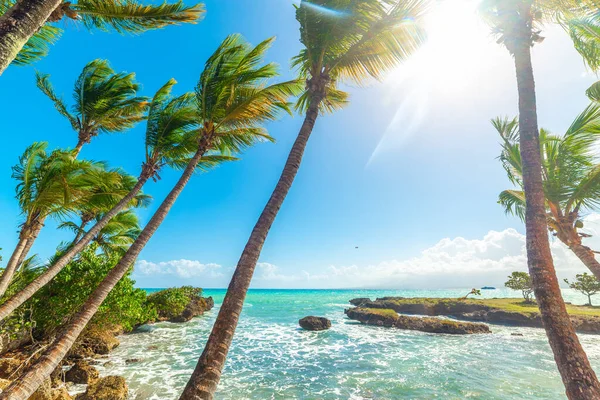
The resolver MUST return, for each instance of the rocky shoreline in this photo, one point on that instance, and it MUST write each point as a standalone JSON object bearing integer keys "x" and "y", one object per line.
{"x": 389, "y": 318}
{"x": 472, "y": 310}
{"x": 78, "y": 367}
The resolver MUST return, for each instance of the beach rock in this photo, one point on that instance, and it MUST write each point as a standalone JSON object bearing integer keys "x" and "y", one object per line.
{"x": 389, "y": 318}
{"x": 94, "y": 343}
{"x": 472, "y": 311}
{"x": 8, "y": 366}
{"x": 311, "y": 323}
{"x": 47, "y": 392}
{"x": 107, "y": 388}
{"x": 196, "y": 306}
{"x": 359, "y": 301}
{"x": 132, "y": 360}
{"x": 81, "y": 373}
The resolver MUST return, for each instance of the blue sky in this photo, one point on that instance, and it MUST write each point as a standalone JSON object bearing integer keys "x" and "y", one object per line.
{"x": 407, "y": 172}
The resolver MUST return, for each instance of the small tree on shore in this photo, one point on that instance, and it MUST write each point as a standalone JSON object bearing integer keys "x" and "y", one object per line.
{"x": 521, "y": 281}
{"x": 585, "y": 283}
{"x": 474, "y": 292}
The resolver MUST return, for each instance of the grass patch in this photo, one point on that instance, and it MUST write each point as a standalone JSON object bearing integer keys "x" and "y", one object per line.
{"x": 383, "y": 312}
{"x": 505, "y": 304}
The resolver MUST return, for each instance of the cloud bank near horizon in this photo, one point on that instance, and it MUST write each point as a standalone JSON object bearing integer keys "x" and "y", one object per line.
{"x": 450, "y": 263}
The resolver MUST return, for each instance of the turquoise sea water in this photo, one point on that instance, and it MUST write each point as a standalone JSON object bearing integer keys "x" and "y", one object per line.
{"x": 272, "y": 358}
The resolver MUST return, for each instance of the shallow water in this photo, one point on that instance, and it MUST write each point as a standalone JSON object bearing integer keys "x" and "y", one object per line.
{"x": 272, "y": 358}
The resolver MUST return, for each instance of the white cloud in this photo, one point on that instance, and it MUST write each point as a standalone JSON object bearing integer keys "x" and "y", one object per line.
{"x": 180, "y": 268}
{"x": 450, "y": 263}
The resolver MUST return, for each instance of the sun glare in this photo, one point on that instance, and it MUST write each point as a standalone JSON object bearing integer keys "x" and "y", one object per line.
{"x": 458, "y": 53}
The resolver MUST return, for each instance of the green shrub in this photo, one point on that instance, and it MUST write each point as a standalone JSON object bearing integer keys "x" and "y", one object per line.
{"x": 169, "y": 303}
{"x": 53, "y": 305}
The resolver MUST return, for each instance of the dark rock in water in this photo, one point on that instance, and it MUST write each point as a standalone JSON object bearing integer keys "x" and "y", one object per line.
{"x": 107, "y": 388}
{"x": 311, "y": 323}
{"x": 516, "y": 334}
{"x": 360, "y": 300}
{"x": 152, "y": 347}
{"x": 132, "y": 360}
{"x": 389, "y": 318}
{"x": 81, "y": 373}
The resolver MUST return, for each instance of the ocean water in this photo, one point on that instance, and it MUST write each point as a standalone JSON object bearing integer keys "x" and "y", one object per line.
{"x": 272, "y": 358}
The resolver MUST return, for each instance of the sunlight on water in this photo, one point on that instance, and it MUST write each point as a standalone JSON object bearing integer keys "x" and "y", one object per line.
{"x": 272, "y": 358}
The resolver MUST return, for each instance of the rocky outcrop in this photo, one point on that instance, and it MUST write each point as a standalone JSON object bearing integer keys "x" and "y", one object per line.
{"x": 473, "y": 311}
{"x": 107, "y": 388}
{"x": 359, "y": 301}
{"x": 389, "y": 318}
{"x": 94, "y": 343}
{"x": 8, "y": 366}
{"x": 179, "y": 304}
{"x": 81, "y": 373}
{"x": 311, "y": 323}
{"x": 47, "y": 392}
{"x": 196, "y": 307}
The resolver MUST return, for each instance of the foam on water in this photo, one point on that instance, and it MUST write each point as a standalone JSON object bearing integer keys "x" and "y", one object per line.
{"x": 272, "y": 358}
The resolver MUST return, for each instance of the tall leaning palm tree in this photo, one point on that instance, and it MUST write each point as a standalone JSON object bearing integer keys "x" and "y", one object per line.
{"x": 571, "y": 177}
{"x": 104, "y": 101}
{"x": 49, "y": 185}
{"x": 27, "y": 30}
{"x": 233, "y": 102}
{"x": 352, "y": 42}
{"x": 171, "y": 122}
{"x": 515, "y": 23}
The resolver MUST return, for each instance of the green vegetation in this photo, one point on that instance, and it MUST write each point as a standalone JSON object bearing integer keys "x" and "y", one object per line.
{"x": 586, "y": 284}
{"x": 383, "y": 312}
{"x": 571, "y": 178}
{"x": 521, "y": 281}
{"x": 171, "y": 302}
{"x": 505, "y": 304}
{"x": 473, "y": 292}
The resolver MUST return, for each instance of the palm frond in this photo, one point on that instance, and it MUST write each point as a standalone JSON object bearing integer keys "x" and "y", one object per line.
{"x": 513, "y": 202}
{"x": 130, "y": 16}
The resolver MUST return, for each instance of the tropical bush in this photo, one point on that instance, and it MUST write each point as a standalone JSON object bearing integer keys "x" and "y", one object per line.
{"x": 521, "y": 281}
{"x": 171, "y": 302}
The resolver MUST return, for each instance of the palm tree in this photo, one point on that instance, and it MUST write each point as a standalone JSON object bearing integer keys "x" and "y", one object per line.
{"x": 365, "y": 39}
{"x": 52, "y": 184}
{"x": 233, "y": 102}
{"x": 26, "y": 32}
{"x": 104, "y": 101}
{"x": 515, "y": 22}
{"x": 571, "y": 177}
{"x": 171, "y": 123}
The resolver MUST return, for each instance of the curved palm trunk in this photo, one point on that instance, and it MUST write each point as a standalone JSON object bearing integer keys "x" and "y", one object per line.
{"x": 11, "y": 266}
{"x": 586, "y": 255}
{"x": 578, "y": 376}
{"x": 30, "y": 242}
{"x": 15, "y": 301}
{"x": 33, "y": 378}
{"x": 19, "y": 23}
{"x": 203, "y": 382}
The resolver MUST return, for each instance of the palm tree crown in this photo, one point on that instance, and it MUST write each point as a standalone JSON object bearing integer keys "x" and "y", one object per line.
{"x": 104, "y": 101}
{"x": 121, "y": 16}
{"x": 354, "y": 41}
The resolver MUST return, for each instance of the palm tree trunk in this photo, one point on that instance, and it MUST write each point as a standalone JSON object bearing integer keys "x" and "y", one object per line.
{"x": 203, "y": 382}
{"x": 578, "y": 376}
{"x": 11, "y": 266}
{"x": 78, "y": 148}
{"x": 19, "y": 23}
{"x": 30, "y": 241}
{"x": 15, "y": 301}
{"x": 586, "y": 255}
{"x": 32, "y": 379}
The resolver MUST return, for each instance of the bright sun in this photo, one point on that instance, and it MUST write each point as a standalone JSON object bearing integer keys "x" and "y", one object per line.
{"x": 457, "y": 41}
